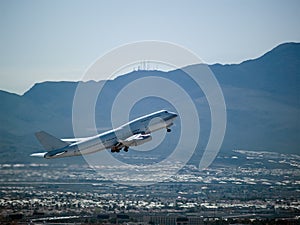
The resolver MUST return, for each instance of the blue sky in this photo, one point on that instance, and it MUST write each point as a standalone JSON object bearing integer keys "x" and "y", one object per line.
{"x": 58, "y": 40}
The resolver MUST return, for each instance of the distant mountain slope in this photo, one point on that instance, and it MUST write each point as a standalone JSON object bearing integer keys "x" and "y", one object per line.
{"x": 262, "y": 99}
{"x": 276, "y": 71}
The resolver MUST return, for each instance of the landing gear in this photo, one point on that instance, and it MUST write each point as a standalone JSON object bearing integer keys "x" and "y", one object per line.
{"x": 168, "y": 130}
{"x": 115, "y": 150}
{"x": 118, "y": 149}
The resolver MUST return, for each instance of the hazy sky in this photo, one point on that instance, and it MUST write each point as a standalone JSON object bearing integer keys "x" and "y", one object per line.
{"x": 57, "y": 40}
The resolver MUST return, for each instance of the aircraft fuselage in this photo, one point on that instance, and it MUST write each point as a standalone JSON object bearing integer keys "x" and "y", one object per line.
{"x": 133, "y": 133}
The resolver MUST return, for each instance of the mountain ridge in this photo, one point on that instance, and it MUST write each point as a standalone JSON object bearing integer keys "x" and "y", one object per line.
{"x": 276, "y": 48}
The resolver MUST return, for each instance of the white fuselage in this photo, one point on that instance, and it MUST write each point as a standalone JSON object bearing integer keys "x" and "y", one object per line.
{"x": 135, "y": 132}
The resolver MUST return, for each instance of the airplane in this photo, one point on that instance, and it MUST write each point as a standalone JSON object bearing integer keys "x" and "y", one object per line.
{"x": 133, "y": 133}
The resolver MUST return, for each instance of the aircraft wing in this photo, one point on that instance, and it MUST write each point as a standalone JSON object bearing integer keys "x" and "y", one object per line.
{"x": 72, "y": 140}
{"x": 51, "y": 154}
{"x": 40, "y": 154}
{"x": 136, "y": 139}
{"x": 55, "y": 153}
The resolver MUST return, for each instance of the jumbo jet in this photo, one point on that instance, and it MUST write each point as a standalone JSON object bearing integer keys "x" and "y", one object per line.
{"x": 133, "y": 133}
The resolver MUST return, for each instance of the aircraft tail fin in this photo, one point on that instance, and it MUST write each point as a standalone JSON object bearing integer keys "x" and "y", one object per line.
{"x": 50, "y": 142}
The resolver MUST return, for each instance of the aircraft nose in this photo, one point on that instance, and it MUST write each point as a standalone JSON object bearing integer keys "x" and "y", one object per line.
{"x": 173, "y": 115}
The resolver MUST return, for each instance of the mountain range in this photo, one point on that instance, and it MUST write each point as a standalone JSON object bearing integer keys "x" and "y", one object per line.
{"x": 261, "y": 96}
